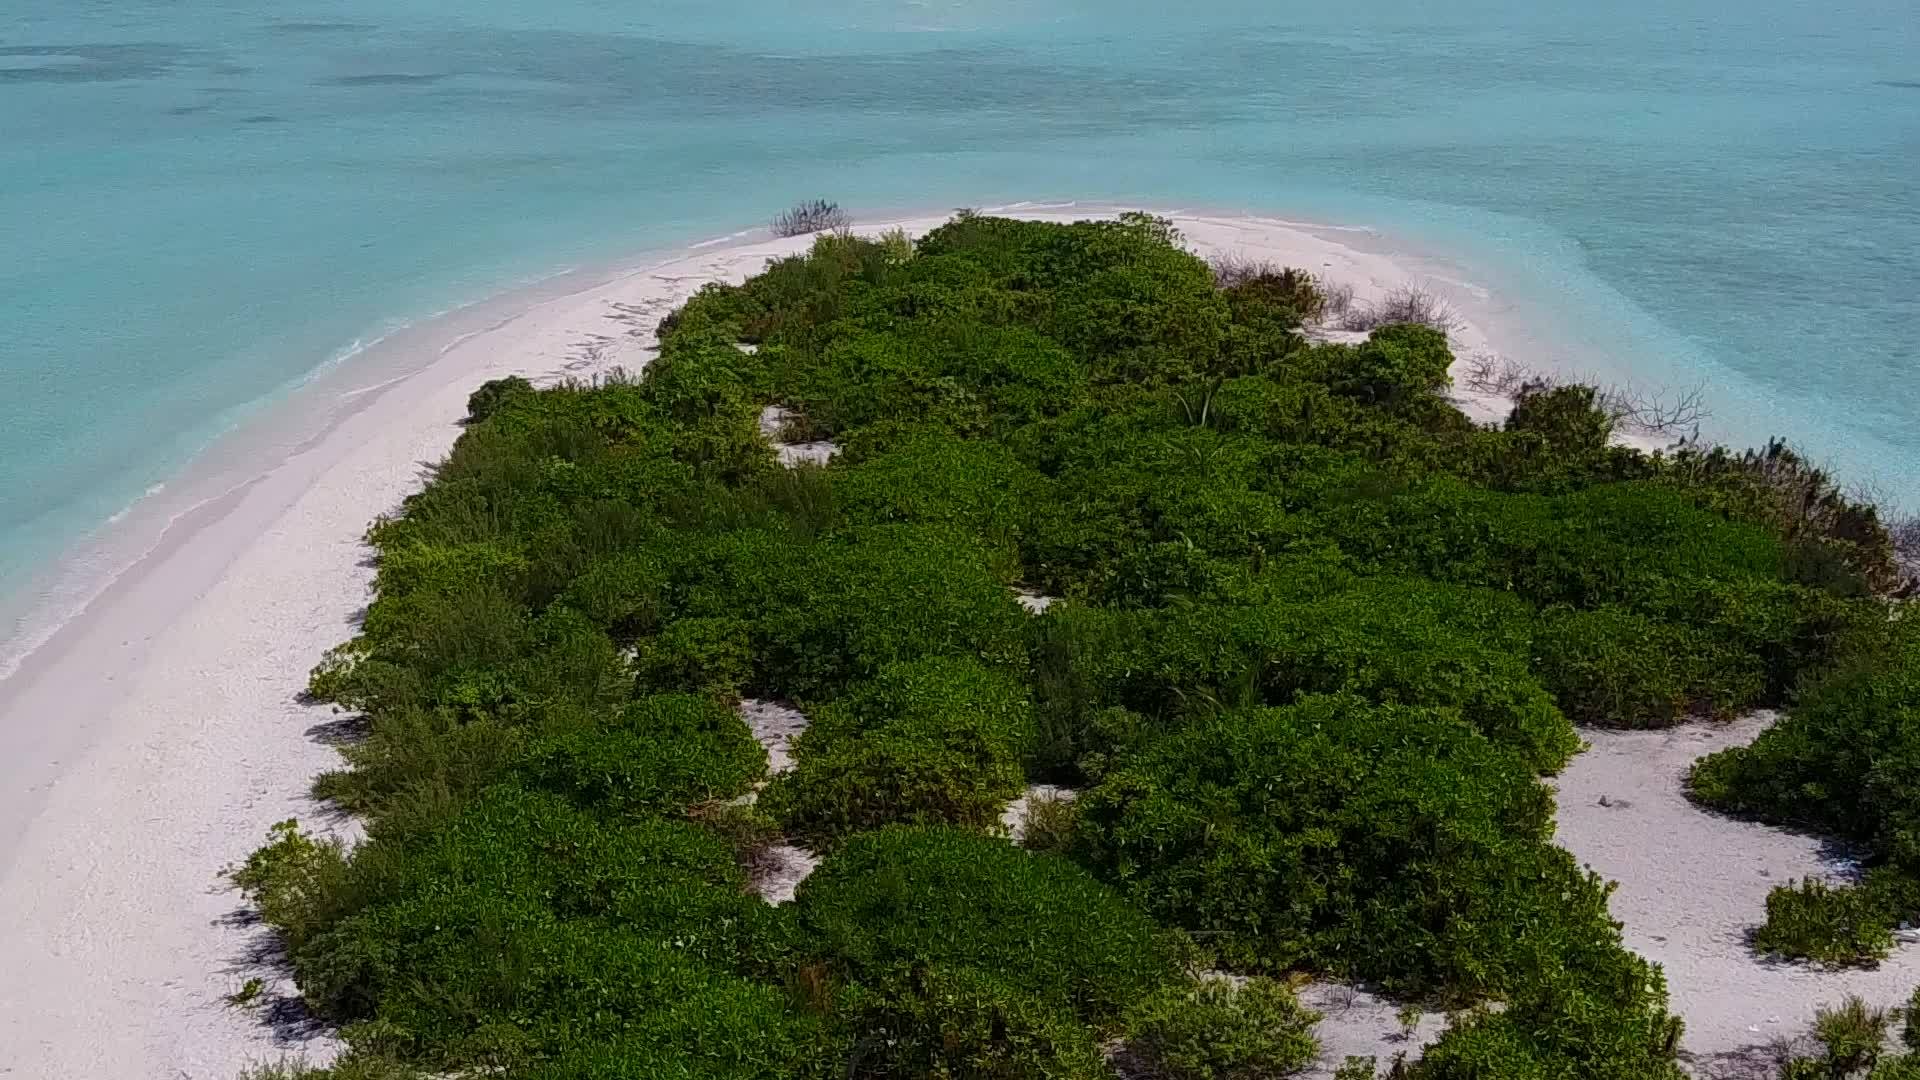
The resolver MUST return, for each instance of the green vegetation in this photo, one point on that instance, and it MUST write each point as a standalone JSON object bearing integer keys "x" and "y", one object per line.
{"x": 1320, "y": 638}
{"x": 1404, "y": 848}
{"x": 1215, "y": 1030}
{"x": 1828, "y": 924}
{"x": 1049, "y": 824}
{"x": 936, "y": 741}
{"x": 1852, "y": 1041}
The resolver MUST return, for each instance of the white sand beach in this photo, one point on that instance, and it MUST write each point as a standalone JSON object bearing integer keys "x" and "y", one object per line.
{"x": 151, "y": 742}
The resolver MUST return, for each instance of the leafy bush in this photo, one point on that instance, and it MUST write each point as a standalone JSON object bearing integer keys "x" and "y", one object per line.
{"x": 293, "y": 881}
{"x": 1388, "y": 640}
{"x": 1049, "y": 825}
{"x": 1616, "y": 667}
{"x": 965, "y": 1022}
{"x": 894, "y": 777}
{"x": 487, "y": 400}
{"x": 1286, "y": 296}
{"x": 1554, "y": 1031}
{"x": 884, "y": 593}
{"x": 1216, "y": 1030}
{"x": 522, "y": 899}
{"x": 1397, "y": 365}
{"x": 1853, "y": 1033}
{"x": 937, "y": 741}
{"x": 658, "y": 755}
{"x": 1567, "y": 417}
{"x": 1312, "y": 836}
{"x": 1837, "y": 536}
{"x": 1845, "y": 759}
{"x": 707, "y": 655}
{"x": 1355, "y": 1068}
{"x": 900, "y": 900}
{"x": 928, "y": 480}
{"x": 1836, "y": 925}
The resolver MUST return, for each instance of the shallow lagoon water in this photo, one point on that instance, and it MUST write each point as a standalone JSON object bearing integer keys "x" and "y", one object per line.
{"x": 202, "y": 204}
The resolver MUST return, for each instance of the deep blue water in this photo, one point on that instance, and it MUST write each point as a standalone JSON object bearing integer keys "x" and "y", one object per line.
{"x": 202, "y": 201}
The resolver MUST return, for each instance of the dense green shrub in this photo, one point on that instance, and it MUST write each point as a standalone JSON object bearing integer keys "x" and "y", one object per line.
{"x": 1617, "y": 667}
{"x": 1381, "y": 842}
{"x": 1216, "y": 1030}
{"x": 884, "y": 593}
{"x": 494, "y": 393}
{"x": 976, "y": 486}
{"x": 1839, "y": 541}
{"x": 1846, "y": 758}
{"x": 1566, "y": 417}
{"x": 897, "y": 901}
{"x": 1049, "y": 824}
{"x": 935, "y": 741}
{"x": 1852, "y": 1040}
{"x": 710, "y": 655}
{"x": 891, "y": 777}
{"x": 1608, "y": 543}
{"x": 931, "y": 696}
{"x": 657, "y": 755}
{"x": 1553, "y": 1033}
{"x": 964, "y": 1022}
{"x": 1355, "y": 1067}
{"x": 1396, "y": 366}
{"x": 622, "y": 594}
{"x": 1827, "y": 924}
{"x": 524, "y": 929}
{"x": 1389, "y": 640}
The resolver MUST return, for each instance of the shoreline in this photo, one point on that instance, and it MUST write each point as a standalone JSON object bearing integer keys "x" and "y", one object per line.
{"x": 153, "y": 738}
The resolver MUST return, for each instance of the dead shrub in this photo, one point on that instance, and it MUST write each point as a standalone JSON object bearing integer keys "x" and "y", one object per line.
{"x": 1405, "y": 304}
{"x": 811, "y": 217}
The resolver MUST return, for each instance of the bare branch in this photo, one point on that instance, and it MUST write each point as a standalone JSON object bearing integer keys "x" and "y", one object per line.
{"x": 812, "y": 217}
{"x": 1339, "y": 302}
{"x": 1488, "y": 373}
{"x": 1405, "y": 304}
{"x": 1230, "y": 269}
{"x": 1657, "y": 412}
{"x": 1635, "y": 410}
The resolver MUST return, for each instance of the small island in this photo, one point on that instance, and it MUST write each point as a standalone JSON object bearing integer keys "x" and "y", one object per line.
{"x": 1029, "y": 649}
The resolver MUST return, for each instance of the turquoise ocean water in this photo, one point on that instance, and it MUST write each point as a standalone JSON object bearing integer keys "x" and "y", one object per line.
{"x": 203, "y": 201}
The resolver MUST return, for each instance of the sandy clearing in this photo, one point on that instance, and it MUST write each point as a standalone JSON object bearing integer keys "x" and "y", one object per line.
{"x": 773, "y": 423}
{"x": 775, "y": 725}
{"x": 1692, "y": 884}
{"x": 1358, "y": 1023}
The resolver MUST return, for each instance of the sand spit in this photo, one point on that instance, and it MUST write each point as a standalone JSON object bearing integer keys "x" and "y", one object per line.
{"x": 1693, "y": 884}
{"x": 155, "y": 737}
